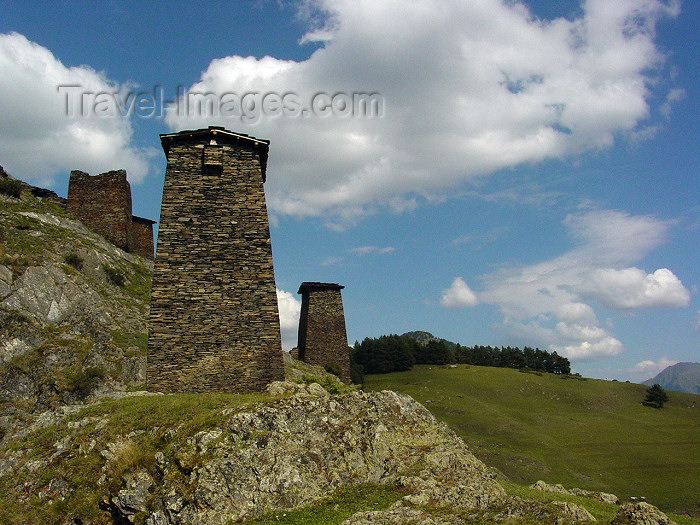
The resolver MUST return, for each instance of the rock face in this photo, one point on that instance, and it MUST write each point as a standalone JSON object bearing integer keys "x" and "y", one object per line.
{"x": 640, "y": 514}
{"x": 300, "y": 449}
{"x": 600, "y": 496}
{"x": 269, "y": 456}
{"x": 73, "y": 311}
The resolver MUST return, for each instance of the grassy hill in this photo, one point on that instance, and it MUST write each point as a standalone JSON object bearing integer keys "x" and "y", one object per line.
{"x": 589, "y": 433}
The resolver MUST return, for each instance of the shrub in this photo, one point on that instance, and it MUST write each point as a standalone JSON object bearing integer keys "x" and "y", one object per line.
{"x": 11, "y": 187}
{"x": 75, "y": 260}
{"x": 530, "y": 371}
{"x": 357, "y": 374}
{"x": 576, "y": 376}
{"x": 333, "y": 368}
{"x": 330, "y": 385}
{"x": 85, "y": 381}
{"x": 115, "y": 276}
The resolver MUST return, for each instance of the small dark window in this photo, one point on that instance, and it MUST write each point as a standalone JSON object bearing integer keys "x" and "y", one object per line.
{"x": 213, "y": 158}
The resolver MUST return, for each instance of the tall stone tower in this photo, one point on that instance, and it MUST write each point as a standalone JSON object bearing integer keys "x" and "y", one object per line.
{"x": 323, "y": 339}
{"x": 214, "y": 324}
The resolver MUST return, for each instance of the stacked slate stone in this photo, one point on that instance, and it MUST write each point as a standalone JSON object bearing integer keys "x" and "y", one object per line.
{"x": 323, "y": 337}
{"x": 214, "y": 324}
{"x": 103, "y": 203}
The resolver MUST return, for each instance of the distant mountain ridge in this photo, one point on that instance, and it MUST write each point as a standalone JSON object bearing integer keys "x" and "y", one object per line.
{"x": 425, "y": 337}
{"x": 681, "y": 377}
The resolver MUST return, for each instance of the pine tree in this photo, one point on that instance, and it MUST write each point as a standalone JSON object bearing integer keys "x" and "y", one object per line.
{"x": 656, "y": 397}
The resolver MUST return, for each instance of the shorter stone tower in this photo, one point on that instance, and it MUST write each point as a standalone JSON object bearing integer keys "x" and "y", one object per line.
{"x": 103, "y": 203}
{"x": 323, "y": 339}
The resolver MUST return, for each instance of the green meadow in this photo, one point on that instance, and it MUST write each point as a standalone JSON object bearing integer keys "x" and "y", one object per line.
{"x": 585, "y": 433}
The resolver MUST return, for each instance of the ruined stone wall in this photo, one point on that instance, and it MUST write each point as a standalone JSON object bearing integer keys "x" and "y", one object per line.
{"x": 102, "y": 202}
{"x": 323, "y": 337}
{"x": 142, "y": 237}
{"x": 214, "y": 324}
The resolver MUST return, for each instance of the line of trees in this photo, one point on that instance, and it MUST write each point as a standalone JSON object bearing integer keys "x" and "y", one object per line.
{"x": 513, "y": 357}
{"x": 394, "y": 353}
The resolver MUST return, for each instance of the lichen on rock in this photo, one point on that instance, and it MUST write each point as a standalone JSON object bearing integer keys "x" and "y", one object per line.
{"x": 640, "y": 513}
{"x": 298, "y": 450}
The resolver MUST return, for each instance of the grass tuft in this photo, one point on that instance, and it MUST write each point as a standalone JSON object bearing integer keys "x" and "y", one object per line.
{"x": 11, "y": 188}
{"x": 338, "y": 507}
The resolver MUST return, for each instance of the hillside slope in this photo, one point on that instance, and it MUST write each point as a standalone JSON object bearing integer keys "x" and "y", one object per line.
{"x": 587, "y": 433}
{"x": 681, "y": 377}
{"x": 189, "y": 459}
{"x": 73, "y": 311}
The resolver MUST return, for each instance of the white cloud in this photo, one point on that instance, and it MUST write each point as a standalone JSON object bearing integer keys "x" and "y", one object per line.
{"x": 330, "y": 261}
{"x": 366, "y": 250}
{"x": 458, "y": 295}
{"x": 673, "y": 96}
{"x": 289, "y": 311}
{"x": 606, "y": 346}
{"x": 468, "y": 88}
{"x": 613, "y": 237}
{"x": 550, "y": 303}
{"x": 634, "y": 288}
{"x": 319, "y": 35}
{"x": 576, "y": 312}
{"x": 647, "y": 369}
{"x": 37, "y": 138}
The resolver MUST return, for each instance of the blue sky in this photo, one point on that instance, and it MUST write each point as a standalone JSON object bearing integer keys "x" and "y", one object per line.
{"x": 531, "y": 179}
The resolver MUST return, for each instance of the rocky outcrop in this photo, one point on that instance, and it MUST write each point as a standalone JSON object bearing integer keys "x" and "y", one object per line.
{"x": 553, "y": 512}
{"x": 293, "y": 447}
{"x": 300, "y": 449}
{"x": 640, "y": 514}
{"x": 276, "y": 454}
{"x": 600, "y": 496}
{"x": 400, "y": 514}
{"x": 514, "y": 508}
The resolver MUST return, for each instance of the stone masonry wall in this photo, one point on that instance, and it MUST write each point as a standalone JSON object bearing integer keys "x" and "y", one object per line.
{"x": 323, "y": 337}
{"x": 214, "y": 324}
{"x": 142, "y": 237}
{"x": 102, "y": 202}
